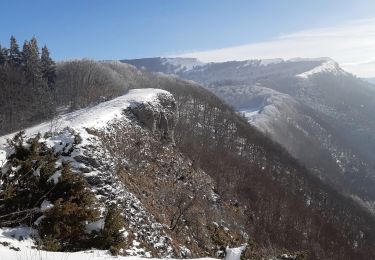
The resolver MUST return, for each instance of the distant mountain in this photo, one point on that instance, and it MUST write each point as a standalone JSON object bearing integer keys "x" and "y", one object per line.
{"x": 321, "y": 114}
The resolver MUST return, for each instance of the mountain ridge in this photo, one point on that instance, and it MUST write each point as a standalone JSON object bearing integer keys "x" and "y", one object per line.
{"x": 325, "y": 108}
{"x": 138, "y": 182}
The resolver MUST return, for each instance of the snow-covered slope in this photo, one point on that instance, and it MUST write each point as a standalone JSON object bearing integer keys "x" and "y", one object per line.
{"x": 302, "y": 67}
{"x": 98, "y": 163}
{"x": 97, "y": 116}
{"x": 328, "y": 66}
{"x": 181, "y": 64}
{"x": 17, "y": 244}
{"x": 126, "y": 153}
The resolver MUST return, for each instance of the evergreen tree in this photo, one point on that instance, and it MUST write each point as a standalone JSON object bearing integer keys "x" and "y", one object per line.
{"x": 22, "y": 188}
{"x": 25, "y": 53}
{"x": 3, "y": 55}
{"x": 15, "y": 57}
{"x": 74, "y": 206}
{"x": 31, "y": 61}
{"x": 48, "y": 67}
{"x": 26, "y": 95}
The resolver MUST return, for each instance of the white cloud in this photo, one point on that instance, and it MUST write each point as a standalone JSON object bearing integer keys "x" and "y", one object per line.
{"x": 351, "y": 44}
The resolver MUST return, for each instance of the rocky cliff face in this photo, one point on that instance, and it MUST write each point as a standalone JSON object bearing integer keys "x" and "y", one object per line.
{"x": 178, "y": 199}
{"x": 160, "y": 118}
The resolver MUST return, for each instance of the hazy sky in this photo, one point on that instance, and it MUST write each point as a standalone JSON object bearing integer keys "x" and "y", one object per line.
{"x": 212, "y": 30}
{"x": 351, "y": 44}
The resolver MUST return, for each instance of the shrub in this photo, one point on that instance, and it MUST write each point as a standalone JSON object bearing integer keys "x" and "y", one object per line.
{"x": 26, "y": 183}
{"x": 50, "y": 244}
{"x": 25, "y": 179}
{"x": 74, "y": 205}
{"x": 111, "y": 236}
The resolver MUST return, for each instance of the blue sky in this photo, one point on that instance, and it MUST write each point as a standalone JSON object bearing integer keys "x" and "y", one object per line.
{"x": 117, "y": 29}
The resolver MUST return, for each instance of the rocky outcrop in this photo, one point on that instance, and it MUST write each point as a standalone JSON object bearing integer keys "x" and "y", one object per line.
{"x": 159, "y": 117}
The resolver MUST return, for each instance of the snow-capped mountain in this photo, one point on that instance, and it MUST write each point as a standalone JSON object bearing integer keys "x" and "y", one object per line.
{"x": 319, "y": 112}
{"x": 327, "y": 66}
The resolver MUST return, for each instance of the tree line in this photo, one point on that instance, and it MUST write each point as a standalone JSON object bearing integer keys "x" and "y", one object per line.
{"x": 27, "y": 78}
{"x": 35, "y": 88}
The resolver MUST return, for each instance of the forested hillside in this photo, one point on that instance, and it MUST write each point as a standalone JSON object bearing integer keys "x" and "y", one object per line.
{"x": 27, "y": 80}
{"x": 287, "y": 206}
{"x": 320, "y": 113}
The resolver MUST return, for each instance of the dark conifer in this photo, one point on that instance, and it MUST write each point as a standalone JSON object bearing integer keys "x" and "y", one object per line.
{"x": 3, "y": 55}
{"x": 14, "y": 52}
{"x": 31, "y": 59}
{"x": 48, "y": 67}
{"x": 25, "y": 53}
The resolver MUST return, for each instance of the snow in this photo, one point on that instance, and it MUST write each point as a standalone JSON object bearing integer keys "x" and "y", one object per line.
{"x": 262, "y": 62}
{"x": 327, "y": 66}
{"x": 250, "y": 114}
{"x": 46, "y": 205}
{"x": 234, "y": 253}
{"x": 266, "y": 62}
{"x": 183, "y": 63}
{"x": 97, "y": 116}
{"x": 17, "y": 238}
{"x": 95, "y": 226}
{"x": 17, "y": 243}
{"x": 3, "y": 157}
{"x": 55, "y": 177}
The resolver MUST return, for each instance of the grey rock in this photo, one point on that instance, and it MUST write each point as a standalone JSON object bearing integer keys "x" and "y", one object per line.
{"x": 160, "y": 118}
{"x": 87, "y": 161}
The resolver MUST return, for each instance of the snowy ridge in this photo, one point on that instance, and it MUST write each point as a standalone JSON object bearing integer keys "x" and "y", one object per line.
{"x": 146, "y": 232}
{"x": 99, "y": 171}
{"x": 97, "y": 116}
{"x": 187, "y": 64}
{"x": 266, "y": 62}
{"x": 328, "y": 66}
{"x": 182, "y": 64}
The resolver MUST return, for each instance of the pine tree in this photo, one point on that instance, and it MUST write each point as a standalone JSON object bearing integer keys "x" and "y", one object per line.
{"x": 3, "y": 55}
{"x": 26, "y": 95}
{"x": 25, "y": 53}
{"x": 31, "y": 61}
{"x": 48, "y": 67}
{"x": 15, "y": 57}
